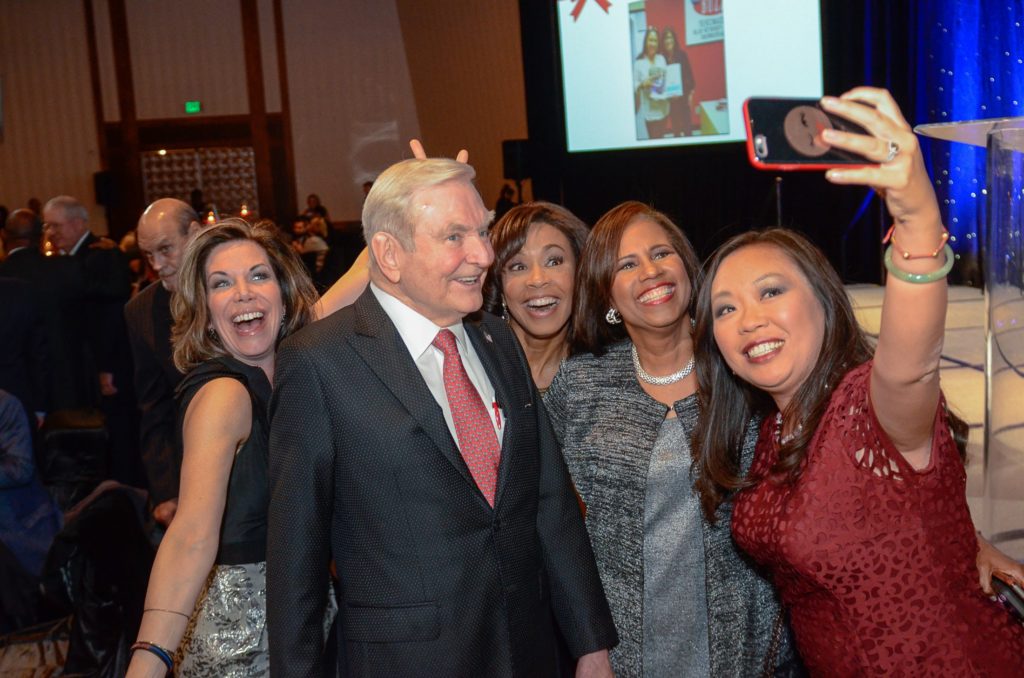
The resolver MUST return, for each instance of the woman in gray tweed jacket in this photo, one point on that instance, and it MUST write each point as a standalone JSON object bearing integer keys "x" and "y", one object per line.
{"x": 684, "y": 601}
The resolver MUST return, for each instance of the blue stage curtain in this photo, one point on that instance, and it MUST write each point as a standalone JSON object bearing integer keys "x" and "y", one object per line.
{"x": 969, "y": 64}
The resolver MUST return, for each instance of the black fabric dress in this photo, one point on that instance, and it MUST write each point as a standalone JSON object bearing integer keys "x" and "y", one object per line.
{"x": 227, "y": 632}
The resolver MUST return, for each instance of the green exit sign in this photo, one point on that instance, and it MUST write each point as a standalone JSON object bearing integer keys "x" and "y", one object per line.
{"x": 193, "y": 107}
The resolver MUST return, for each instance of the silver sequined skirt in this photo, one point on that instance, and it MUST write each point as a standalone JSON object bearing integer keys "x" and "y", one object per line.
{"x": 227, "y": 634}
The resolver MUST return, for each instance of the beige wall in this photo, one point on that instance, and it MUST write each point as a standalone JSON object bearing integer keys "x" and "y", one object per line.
{"x": 49, "y": 145}
{"x": 466, "y": 65}
{"x": 187, "y": 50}
{"x": 363, "y": 77}
{"x": 351, "y": 107}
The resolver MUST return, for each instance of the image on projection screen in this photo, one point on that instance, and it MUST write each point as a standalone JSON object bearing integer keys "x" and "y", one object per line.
{"x": 653, "y": 73}
{"x": 673, "y": 40}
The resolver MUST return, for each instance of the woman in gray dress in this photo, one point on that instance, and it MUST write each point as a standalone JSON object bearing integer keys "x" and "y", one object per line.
{"x": 623, "y": 406}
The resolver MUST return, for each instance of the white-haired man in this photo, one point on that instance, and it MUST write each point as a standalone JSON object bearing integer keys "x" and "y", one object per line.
{"x": 412, "y": 449}
{"x": 106, "y": 364}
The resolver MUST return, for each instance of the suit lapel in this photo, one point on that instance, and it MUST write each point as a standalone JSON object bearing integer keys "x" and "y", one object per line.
{"x": 377, "y": 341}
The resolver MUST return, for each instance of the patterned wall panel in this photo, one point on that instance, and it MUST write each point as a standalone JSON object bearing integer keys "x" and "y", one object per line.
{"x": 226, "y": 176}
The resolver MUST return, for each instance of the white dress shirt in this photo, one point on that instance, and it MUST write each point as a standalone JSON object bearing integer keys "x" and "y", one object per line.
{"x": 418, "y": 333}
{"x": 78, "y": 245}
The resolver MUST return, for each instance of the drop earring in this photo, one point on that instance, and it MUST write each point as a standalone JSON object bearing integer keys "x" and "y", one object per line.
{"x": 612, "y": 317}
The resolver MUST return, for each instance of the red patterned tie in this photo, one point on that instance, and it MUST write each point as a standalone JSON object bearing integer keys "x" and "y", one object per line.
{"x": 477, "y": 441}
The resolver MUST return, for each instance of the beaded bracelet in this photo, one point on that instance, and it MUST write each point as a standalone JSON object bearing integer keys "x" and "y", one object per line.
{"x": 161, "y": 653}
{"x": 919, "y": 278}
{"x": 905, "y": 255}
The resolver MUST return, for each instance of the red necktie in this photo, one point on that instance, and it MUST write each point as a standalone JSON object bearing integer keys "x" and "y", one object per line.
{"x": 477, "y": 440}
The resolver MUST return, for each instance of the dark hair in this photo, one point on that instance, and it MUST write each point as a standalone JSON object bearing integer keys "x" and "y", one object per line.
{"x": 596, "y": 271}
{"x": 674, "y": 56}
{"x": 643, "y": 45}
{"x": 193, "y": 344}
{"x": 509, "y": 235}
{"x": 727, "y": 403}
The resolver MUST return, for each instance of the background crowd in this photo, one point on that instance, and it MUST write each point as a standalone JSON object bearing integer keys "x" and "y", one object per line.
{"x": 632, "y": 464}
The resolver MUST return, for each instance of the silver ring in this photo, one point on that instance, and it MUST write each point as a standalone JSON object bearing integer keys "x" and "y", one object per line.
{"x": 894, "y": 150}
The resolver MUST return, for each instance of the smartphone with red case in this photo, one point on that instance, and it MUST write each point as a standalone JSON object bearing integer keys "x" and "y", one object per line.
{"x": 785, "y": 135}
{"x": 1009, "y": 594}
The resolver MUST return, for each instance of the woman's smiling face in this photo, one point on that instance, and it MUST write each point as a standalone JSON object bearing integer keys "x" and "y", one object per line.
{"x": 244, "y": 299}
{"x": 768, "y": 323}
{"x": 651, "y": 288}
{"x": 537, "y": 282}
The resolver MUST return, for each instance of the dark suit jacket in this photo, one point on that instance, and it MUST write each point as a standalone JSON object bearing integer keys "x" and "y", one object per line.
{"x": 59, "y": 289}
{"x": 108, "y": 285}
{"x": 433, "y": 581}
{"x": 148, "y": 316}
{"x": 24, "y": 351}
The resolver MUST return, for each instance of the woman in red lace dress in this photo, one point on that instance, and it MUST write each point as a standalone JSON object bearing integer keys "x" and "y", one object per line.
{"x": 856, "y": 500}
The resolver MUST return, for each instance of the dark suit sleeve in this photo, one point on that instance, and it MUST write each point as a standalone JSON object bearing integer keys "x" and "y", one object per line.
{"x": 108, "y": 286}
{"x": 577, "y": 597}
{"x": 158, "y": 410}
{"x": 301, "y": 467}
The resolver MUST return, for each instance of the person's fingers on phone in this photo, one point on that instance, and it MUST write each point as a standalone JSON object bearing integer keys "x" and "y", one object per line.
{"x": 1015, "y": 571}
{"x": 880, "y": 99}
{"x": 462, "y": 156}
{"x": 417, "y": 149}
{"x": 984, "y": 575}
{"x": 874, "y": 122}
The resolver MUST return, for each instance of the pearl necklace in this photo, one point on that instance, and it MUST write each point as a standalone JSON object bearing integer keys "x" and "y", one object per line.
{"x": 789, "y": 437}
{"x": 660, "y": 381}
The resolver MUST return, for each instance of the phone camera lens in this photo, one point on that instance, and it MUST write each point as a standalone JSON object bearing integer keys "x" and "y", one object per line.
{"x": 760, "y": 146}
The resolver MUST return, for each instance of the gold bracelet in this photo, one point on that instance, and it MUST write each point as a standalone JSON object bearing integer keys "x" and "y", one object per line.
{"x": 160, "y": 609}
{"x": 890, "y": 238}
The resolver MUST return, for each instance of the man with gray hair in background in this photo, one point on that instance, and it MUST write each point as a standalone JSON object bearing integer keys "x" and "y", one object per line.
{"x": 411, "y": 448}
{"x": 163, "y": 232}
{"x": 103, "y": 359}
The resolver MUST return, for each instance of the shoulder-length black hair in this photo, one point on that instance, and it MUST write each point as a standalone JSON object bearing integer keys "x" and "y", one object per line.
{"x": 728, "y": 403}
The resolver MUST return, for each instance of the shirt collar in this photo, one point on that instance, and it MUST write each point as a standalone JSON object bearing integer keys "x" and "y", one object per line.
{"x": 78, "y": 245}
{"x": 416, "y": 330}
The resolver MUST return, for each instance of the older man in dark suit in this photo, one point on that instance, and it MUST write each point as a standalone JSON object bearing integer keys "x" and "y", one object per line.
{"x": 412, "y": 449}
{"x": 107, "y": 286}
{"x": 162, "y": 233}
{"x": 56, "y": 289}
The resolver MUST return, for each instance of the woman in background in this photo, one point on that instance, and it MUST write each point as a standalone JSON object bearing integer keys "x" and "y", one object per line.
{"x": 624, "y": 407}
{"x": 530, "y": 283}
{"x": 856, "y": 499}
{"x": 680, "y": 112}
{"x": 649, "y": 81}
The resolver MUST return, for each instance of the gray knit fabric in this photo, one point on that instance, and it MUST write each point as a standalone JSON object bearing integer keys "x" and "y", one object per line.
{"x": 607, "y": 425}
{"x": 675, "y": 623}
